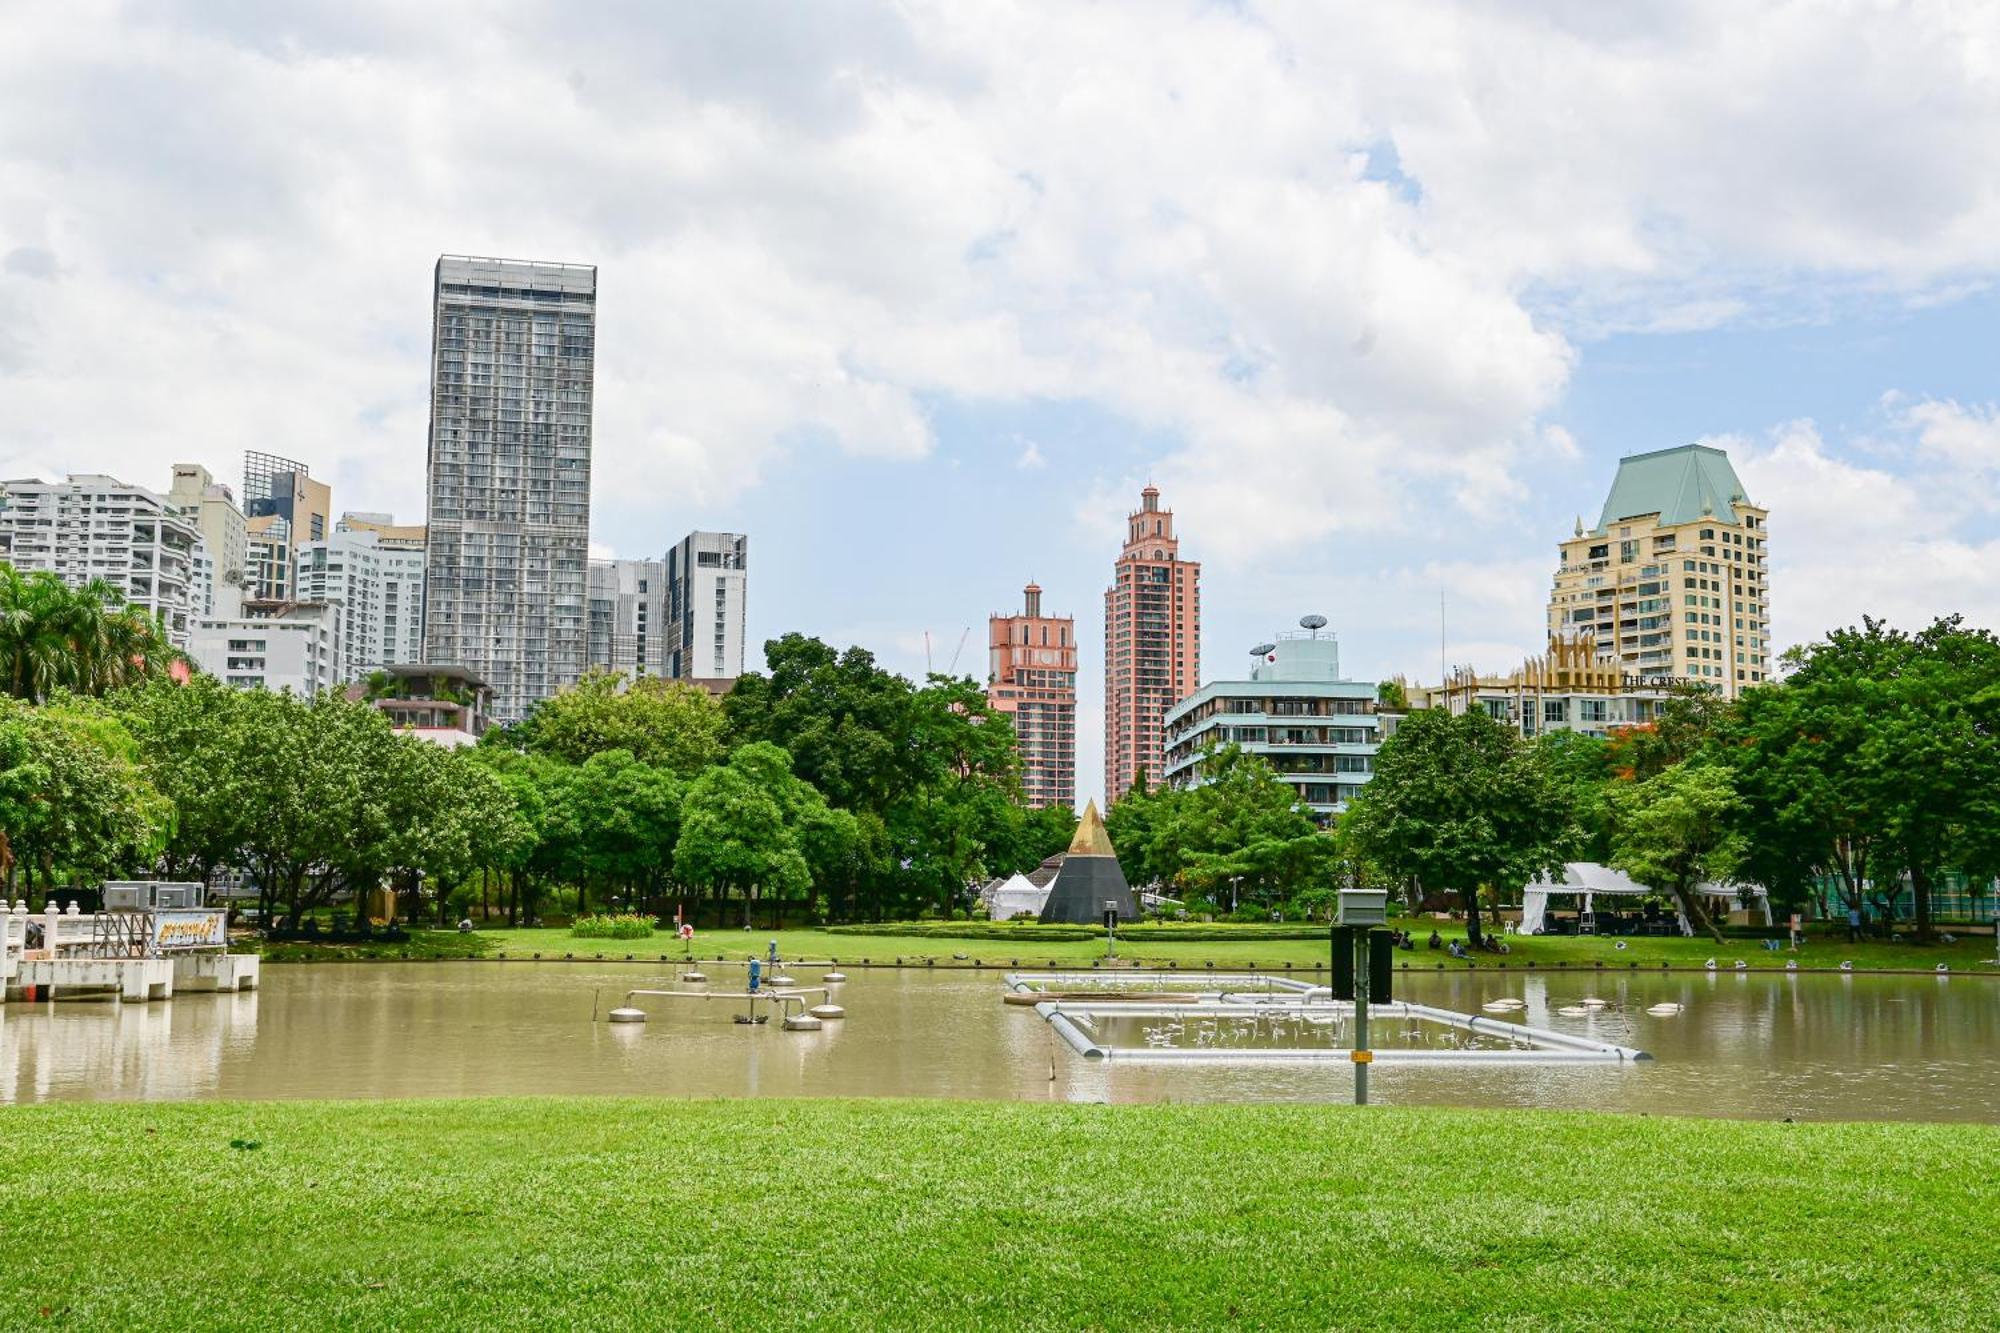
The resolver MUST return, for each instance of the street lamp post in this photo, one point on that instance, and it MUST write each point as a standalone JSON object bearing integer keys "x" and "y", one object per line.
{"x": 1359, "y": 910}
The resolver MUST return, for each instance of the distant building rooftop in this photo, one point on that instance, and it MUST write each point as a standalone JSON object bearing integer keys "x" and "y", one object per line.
{"x": 1684, "y": 484}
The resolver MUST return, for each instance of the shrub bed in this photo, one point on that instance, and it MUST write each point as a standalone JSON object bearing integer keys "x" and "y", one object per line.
{"x": 609, "y": 926}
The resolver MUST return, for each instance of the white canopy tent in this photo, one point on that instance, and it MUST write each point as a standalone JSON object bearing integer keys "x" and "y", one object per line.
{"x": 1588, "y": 879}
{"x": 1013, "y": 896}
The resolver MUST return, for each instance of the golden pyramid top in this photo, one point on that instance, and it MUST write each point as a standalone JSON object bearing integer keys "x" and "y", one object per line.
{"x": 1091, "y": 839}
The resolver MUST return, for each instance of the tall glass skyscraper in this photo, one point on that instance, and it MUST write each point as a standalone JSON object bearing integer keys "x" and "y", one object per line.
{"x": 513, "y": 349}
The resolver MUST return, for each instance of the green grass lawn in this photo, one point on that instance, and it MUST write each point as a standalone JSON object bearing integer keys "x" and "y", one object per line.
{"x": 584, "y": 1213}
{"x": 1973, "y": 954}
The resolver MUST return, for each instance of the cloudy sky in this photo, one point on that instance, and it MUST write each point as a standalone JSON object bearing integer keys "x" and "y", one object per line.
{"x": 921, "y": 294}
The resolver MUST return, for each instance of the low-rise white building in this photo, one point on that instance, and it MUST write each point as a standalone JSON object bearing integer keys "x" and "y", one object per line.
{"x": 295, "y": 647}
{"x": 1296, "y": 712}
{"x": 97, "y": 527}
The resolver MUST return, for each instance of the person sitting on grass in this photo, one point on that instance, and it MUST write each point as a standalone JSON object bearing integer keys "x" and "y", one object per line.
{"x": 1436, "y": 940}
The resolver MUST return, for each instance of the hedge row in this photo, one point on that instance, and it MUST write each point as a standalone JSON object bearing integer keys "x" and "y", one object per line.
{"x": 1029, "y": 932}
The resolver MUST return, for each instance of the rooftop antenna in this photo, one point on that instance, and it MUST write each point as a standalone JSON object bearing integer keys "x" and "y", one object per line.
{"x": 1443, "y": 671}
{"x": 1315, "y": 623}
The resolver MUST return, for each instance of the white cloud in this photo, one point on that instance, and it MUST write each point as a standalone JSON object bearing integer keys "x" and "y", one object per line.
{"x": 1030, "y": 458}
{"x": 1849, "y": 540}
{"x": 1338, "y": 250}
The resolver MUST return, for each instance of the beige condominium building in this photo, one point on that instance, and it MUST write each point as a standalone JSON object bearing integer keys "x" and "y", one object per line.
{"x": 1671, "y": 583}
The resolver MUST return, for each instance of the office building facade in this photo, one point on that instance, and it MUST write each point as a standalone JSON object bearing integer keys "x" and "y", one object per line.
{"x": 1152, "y": 644}
{"x": 283, "y": 490}
{"x": 1031, "y": 677}
{"x": 707, "y": 607}
{"x": 97, "y": 527}
{"x": 1320, "y": 732}
{"x": 513, "y": 350}
{"x": 628, "y": 617}
{"x": 1672, "y": 582}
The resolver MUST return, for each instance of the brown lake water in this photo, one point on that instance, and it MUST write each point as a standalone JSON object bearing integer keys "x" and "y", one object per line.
{"x": 1808, "y": 1046}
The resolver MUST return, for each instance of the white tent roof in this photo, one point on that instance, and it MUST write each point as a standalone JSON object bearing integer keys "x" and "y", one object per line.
{"x": 1016, "y": 895}
{"x": 1589, "y": 879}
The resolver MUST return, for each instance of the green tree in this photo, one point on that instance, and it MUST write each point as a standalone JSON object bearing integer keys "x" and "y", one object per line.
{"x": 734, "y": 839}
{"x": 628, "y": 817}
{"x": 667, "y": 724}
{"x": 1458, "y": 803}
{"x": 1581, "y": 766}
{"x": 74, "y": 802}
{"x": 1242, "y": 828}
{"x": 190, "y": 739}
{"x": 1678, "y": 830}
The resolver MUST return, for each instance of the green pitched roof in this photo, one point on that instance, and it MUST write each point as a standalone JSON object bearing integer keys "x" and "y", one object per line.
{"x": 1681, "y": 485}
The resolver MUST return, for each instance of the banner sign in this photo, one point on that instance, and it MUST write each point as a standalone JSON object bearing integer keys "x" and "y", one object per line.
{"x": 190, "y": 928}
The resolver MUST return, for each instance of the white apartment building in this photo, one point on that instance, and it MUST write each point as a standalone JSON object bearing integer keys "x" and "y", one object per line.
{"x": 378, "y": 590}
{"x": 707, "y": 592}
{"x": 628, "y": 617}
{"x": 97, "y": 527}
{"x": 297, "y": 649}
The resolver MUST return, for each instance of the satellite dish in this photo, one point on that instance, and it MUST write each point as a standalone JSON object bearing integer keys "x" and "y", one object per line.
{"x": 1315, "y": 623}
{"x": 1261, "y": 649}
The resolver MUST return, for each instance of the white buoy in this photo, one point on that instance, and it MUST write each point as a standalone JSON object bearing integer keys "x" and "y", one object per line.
{"x": 1665, "y": 1009}
{"x": 1573, "y": 1011}
{"x": 1503, "y": 1006}
{"x": 802, "y": 1023}
{"x": 1595, "y": 1003}
{"x": 627, "y": 1015}
{"x": 694, "y": 976}
{"x": 827, "y": 1011}
{"x": 781, "y": 980}
{"x": 834, "y": 976}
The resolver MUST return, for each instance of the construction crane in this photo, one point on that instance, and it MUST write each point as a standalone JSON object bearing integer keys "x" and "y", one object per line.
{"x": 930, "y": 666}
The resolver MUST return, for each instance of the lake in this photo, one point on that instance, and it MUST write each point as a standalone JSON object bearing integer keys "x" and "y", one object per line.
{"x": 1811, "y": 1046}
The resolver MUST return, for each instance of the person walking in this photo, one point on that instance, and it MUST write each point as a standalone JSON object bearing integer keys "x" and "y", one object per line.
{"x": 1853, "y": 925}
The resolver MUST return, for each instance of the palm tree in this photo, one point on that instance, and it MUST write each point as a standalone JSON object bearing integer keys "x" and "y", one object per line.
{"x": 86, "y": 640}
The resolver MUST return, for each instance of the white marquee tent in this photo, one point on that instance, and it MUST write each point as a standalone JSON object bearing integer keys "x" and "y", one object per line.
{"x": 1588, "y": 880}
{"x": 1013, "y": 896}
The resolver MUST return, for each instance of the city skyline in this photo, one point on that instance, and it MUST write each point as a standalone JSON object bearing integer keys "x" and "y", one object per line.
{"x": 1339, "y": 321}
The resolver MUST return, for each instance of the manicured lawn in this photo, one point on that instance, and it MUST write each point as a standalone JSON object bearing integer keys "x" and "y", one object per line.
{"x": 653, "y": 1214}
{"x": 1974, "y": 954}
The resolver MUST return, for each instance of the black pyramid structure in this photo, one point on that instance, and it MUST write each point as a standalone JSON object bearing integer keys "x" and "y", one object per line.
{"x": 1089, "y": 879}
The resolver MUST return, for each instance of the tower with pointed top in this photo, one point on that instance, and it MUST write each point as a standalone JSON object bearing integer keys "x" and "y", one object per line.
{"x": 1671, "y": 583}
{"x": 1031, "y": 677}
{"x": 1152, "y": 645}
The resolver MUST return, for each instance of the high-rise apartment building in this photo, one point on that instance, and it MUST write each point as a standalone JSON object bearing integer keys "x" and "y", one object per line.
{"x": 378, "y": 590}
{"x": 294, "y": 646}
{"x": 96, "y": 527}
{"x": 278, "y": 488}
{"x": 707, "y": 607}
{"x": 628, "y": 617}
{"x": 197, "y": 497}
{"x": 1672, "y": 581}
{"x": 269, "y": 567}
{"x": 513, "y": 350}
{"x": 1031, "y": 677}
{"x": 1152, "y": 644}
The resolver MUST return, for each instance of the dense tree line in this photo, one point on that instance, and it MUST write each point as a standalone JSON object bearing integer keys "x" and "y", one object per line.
{"x": 1873, "y": 764}
{"x": 890, "y": 799}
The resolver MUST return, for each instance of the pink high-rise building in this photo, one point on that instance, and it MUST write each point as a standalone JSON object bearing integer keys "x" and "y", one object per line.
{"x": 1031, "y": 677}
{"x": 1152, "y": 645}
